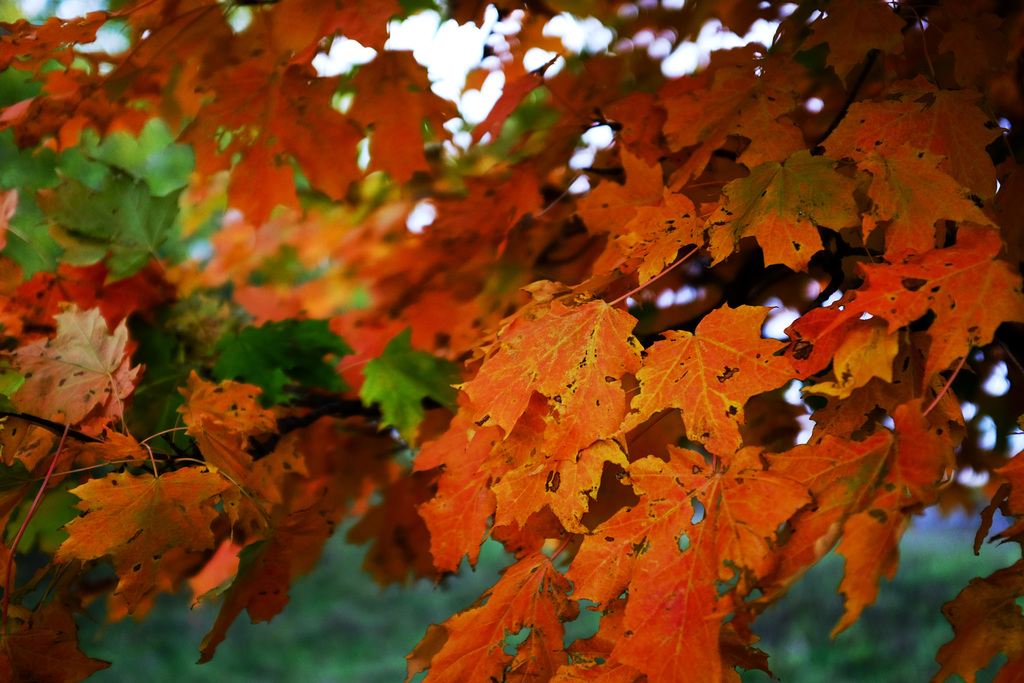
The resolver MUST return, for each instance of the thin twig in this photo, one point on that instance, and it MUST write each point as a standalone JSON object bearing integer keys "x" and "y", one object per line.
{"x": 24, "y": 525}
{"x": 945, "y": 388}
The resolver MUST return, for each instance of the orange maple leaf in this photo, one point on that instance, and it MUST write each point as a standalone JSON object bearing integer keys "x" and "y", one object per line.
{"x": 710, "y": 374}
{"x": 511, "y": 95}
{"x": 643, "y": 218}
{"x": 917, "y": 463}
{"x": 394, "y": 101}
{"x": 563, "y": 484}
{"x": 968, "y": 289}
{"x": 575, "y": 355}
{"x": 221, "y": 417}
{"x": 910, "y": 193}
{"x": 840, "y": 475}
{"x": 457, "y": 515}
{"x": 695, "y": 529}
{"x": 752, "y": 98}
{"x": 136, "y": 519}
{"x": 295, "y": 120}
{"x": 875, "y": 24}
{"x": 916, "y": 114}
{"x": 987, "y": 620}
{"x": 530, "y": 594}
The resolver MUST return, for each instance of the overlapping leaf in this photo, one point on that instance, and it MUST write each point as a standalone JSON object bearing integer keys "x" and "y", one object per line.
{"x": 266, "y": 569}
{"x": 987, "y": 620}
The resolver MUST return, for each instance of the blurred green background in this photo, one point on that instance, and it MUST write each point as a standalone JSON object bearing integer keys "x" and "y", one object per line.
{"x": 340, "y": 626}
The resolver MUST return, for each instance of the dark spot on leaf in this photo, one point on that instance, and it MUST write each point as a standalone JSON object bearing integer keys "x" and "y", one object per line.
{"x": 913, "y": 283}
{"x": 554, "y": 481}
{"x": 727, "y": 373}
{"x": 485, "y": 418}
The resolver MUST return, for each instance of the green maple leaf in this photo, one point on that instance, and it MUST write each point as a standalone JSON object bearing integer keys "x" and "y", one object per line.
{"x": 13, "y": 476}
{"x": 10, "y": 381}
{"x": 281, "y": 353}
{"x": 123, "y": 223}
{"x": 401, "y": 378}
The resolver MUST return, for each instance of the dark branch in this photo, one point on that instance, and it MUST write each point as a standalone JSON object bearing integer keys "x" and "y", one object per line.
{"x": 55, "y": 427}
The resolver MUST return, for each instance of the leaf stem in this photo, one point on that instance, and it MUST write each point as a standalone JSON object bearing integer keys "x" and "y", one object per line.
{"x": 664, "y": 272}
{"x": 562, "y": 547}
{"x": 152, "y": 459}
{"x": 166, "y": 431}
{"x": 945, "y": 388}
{"x": 8, "y": 579}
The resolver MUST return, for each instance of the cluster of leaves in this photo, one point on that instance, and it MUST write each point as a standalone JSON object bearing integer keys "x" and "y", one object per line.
{"x": 220, "y": 338}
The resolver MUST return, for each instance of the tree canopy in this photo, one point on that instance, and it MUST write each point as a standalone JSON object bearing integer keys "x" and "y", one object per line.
{"x": 245, "y": 299}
